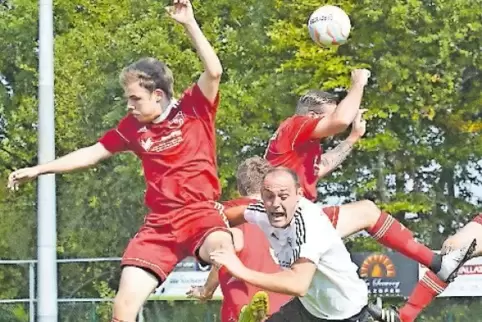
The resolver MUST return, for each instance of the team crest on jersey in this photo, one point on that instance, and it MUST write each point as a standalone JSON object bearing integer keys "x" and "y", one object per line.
{"x": 147, "y": 144}
{"x": 177, "y": 121}
{"x": 142, "y": 129}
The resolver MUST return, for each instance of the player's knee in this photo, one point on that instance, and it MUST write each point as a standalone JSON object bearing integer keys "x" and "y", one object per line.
{"x": 369, "y": 206}
{"x": 453, "y": 242}
{"x": 219, "y": 239}
{"x": 125, "y": 307}
{"x": 369, "y": 210}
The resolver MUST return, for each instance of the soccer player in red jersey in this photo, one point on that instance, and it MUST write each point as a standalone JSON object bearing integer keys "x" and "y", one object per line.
{"x": 252, "y": 248}
{"x": 175, "y": 141}
{"x": 296, "y": 145}
{"x": 430, "y": 285}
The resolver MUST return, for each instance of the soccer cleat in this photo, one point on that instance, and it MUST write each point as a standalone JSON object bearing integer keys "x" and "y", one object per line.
{"x": 257, "y": 309}
{"x": 383, "y": 315}
{"x": 453, "y": 260}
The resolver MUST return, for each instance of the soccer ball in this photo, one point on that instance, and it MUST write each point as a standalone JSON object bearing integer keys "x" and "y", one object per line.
{"x": 329, "y": 25}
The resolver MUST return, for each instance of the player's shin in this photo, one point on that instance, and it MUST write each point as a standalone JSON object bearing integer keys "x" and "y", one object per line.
{"x": 391, "y": 233}
{"x": 423, "y": 294}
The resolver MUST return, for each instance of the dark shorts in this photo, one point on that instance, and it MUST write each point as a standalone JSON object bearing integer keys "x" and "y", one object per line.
{"x": 295, "y": 311}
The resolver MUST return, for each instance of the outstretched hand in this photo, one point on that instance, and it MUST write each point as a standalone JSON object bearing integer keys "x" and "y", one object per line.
{"x": 181, "y": 11}
{"x": 199, "y": 292}
{"x": 20, "y": 176}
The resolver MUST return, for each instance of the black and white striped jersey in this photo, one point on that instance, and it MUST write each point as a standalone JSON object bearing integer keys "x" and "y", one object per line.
{"x": 336, "y": 291}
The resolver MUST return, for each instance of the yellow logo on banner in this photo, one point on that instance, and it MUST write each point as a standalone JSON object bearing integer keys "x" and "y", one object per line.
{"x": 377, "y": 265}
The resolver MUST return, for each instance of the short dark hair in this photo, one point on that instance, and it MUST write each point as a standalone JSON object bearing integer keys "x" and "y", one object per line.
{"x": 151, "y": 73}
{"x": 314, "y": 101}
{"x": 290, "y": 172}
{"x": 250, "y": 175}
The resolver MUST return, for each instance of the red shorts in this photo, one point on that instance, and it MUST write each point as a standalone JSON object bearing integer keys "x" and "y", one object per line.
{"x": 164, "y": 240}
{"x": 332, "y": 213}
{"x": 478, "y": 219}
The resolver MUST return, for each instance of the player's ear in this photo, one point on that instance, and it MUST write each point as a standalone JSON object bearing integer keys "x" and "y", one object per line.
{"x": 158, "y": 94}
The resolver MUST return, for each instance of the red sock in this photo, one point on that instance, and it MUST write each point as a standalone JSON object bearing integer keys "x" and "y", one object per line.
{"x": 424, "y": 292}
{"x": 391, "y": 233}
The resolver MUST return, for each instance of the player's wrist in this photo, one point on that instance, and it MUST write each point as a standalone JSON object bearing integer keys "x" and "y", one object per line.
{"x": 208, "y": 294}
{"x": 357, "y": 85}
{"x": 191, "y": 24}
{"x": 353, "y": 138}
{"x": 42, "y": 169}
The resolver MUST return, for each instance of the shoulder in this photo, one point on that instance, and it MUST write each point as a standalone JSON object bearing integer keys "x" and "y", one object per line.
{"x": 128, "y": 125}
{"x": 257, "y": 207}
{"x": 311, "y": 215}
{"x": 256, "y": 214}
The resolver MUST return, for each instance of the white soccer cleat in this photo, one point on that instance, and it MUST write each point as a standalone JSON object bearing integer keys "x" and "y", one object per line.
{"x": 453, "y": 260}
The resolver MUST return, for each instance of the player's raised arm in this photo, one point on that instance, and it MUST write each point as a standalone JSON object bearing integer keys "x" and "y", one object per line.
{"x": 182, "y": 12}
{"x": 330, "y": 160}
{"x": 79, "y": 159}
{"x": 346, "y": 111}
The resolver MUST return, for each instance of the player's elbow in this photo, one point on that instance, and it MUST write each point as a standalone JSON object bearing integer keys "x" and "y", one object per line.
{"x": 299, "y": 287}
{"x": 341, "y": 123}
{"x": 300, "y": 290}
{"x": 215, "y": 72}
{"x": 94, "y": 154}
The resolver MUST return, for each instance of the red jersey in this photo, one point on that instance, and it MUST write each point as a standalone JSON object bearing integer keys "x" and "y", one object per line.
{"x": 291, "y": 147}
{"x": 178, "y": 153}
{"x": 255, "y": 255}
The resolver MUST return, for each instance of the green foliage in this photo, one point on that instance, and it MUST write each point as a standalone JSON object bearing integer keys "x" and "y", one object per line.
{"x": 420, "y": 154}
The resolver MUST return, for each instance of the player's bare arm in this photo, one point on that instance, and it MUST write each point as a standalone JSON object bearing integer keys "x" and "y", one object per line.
{"x": 182, "y": 12}
{"x": 235, "y": 215}
{"x": 330, "y": 160}
{"x": 346, "y": 111}
{"x": 294, "y": 281}
{"x": 79, "y": 159}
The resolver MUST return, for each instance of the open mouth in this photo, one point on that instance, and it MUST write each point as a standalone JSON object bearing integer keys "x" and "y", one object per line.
{"x": 277, "y": 214}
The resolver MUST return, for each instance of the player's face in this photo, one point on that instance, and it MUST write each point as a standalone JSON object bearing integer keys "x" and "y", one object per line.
{"x": 325, "y": 109}
{"x": 142, "y": 104}
{"x": 280, "y": 196}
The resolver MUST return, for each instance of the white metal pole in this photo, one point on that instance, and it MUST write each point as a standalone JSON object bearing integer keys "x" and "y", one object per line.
{"x": 46, "y": 212}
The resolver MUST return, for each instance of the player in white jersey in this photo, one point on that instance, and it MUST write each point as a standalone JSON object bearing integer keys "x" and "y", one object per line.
{"x": 318, "y": 268}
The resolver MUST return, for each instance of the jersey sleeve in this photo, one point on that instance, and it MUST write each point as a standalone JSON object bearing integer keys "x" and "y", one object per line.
{"x": 253, "y": 213}
{"x": 318, "y": 237}
{"x": 201, "y": 106}
{"x": 116, "y": 139}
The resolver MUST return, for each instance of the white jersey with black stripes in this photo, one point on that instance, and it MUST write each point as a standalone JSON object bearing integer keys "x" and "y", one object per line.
{"x": 336, "y": 291}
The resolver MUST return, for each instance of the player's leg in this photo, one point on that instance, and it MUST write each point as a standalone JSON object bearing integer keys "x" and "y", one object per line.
{"x": 136, "y": 284}
{"x": 208, "y": 230}
{"x": 365, "y": 215}
{"x": 430, "y": 286}
{"x": 147, "y": 261}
